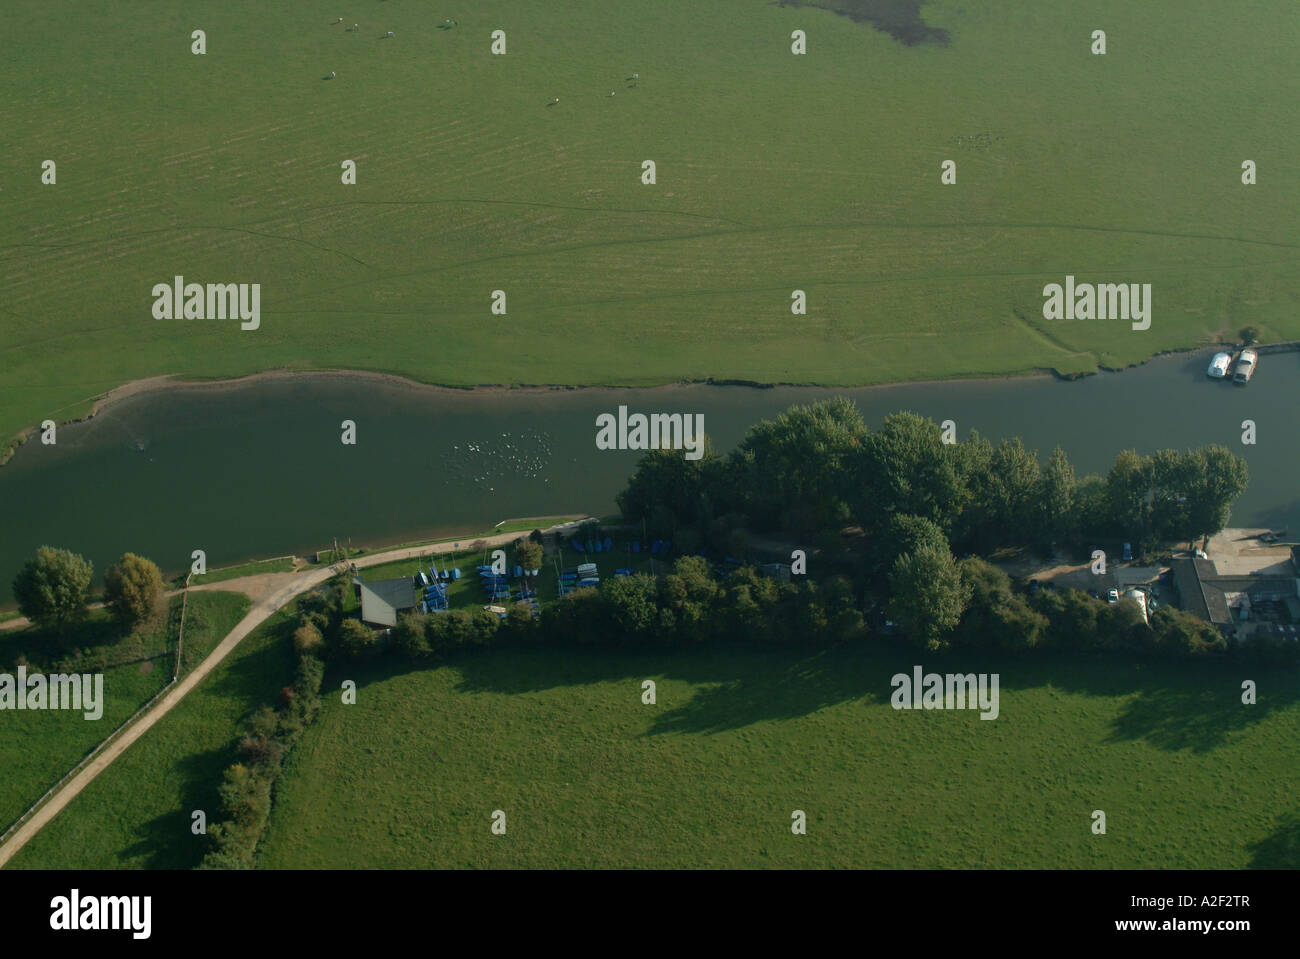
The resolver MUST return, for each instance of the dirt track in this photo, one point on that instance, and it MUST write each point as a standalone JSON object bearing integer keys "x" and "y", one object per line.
{"x": 269, "y": 592}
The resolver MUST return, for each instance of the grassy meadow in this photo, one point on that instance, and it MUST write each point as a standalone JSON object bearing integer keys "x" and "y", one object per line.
{"x": 136, "y": 813}
{"x": 37, "y": 748}
{"x": 589, "y": 777}
{"x": 775, "y": 172}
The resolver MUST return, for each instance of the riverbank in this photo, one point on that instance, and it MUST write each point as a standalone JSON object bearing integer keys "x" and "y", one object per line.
{"x": 257, "y": 470}
{"x": 174, "y": 381}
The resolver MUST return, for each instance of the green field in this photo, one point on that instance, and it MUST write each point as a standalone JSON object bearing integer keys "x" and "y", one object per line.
{"x": 37, "y": 748}
{"x": 708, "y": 777}
{"x": 774, "y": 172}
{"x": 590, "y": 777}
{"x": 136, "y": 814}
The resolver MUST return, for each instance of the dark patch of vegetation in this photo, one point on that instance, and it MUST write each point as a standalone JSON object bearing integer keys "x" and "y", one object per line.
{"x": 901, "y": 19}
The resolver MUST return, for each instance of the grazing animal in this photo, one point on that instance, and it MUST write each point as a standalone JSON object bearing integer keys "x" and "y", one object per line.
{"x": 332, "y": 74}
{"x": 389, "y": 33}
{"x": 553, "y": 102}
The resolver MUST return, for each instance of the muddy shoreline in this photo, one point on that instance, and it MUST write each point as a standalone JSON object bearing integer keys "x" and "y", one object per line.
{"x": 171, "y": 381}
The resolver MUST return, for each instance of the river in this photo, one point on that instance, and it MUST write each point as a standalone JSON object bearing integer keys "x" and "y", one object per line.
{"x": 259, "y": 469}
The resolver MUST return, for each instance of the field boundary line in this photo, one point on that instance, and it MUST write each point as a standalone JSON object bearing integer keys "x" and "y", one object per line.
{"x": 107, "y": 740}
{"x": 147, "y": 715}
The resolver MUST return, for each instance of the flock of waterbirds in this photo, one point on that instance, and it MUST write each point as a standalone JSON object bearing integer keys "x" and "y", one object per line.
{"x": 450, "y": 24}
{"x": 486, "y": 462}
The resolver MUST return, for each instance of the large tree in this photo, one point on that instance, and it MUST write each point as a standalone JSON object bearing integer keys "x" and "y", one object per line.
{"x": 52, "y": 588}
{"x": 927, "y": 595}
{"x": 528, "y": 553}
{"x": 905, "y": 467}
{"x": 133, "y": 590}
{"x": 688, "y": 597}
{"x": 669, "y": 491}
{"x": 1216, "y": 477}
{"x": 633, "y": 605}
{"x": 997, "y": 617}
{"x": 1015, "y": 477}
{"x": 1128, "y": 507}
{"x": 1057, "y": 520}
{"x": 794, "y": 470}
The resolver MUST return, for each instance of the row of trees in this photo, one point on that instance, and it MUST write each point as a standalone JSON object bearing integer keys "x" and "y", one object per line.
{"x": 815, "y": 469}
{"x": 688, "y": 606}
{"x": 917, "y": 497}
{"x": 53, "y": 589}
{"x": 269, "y": 734}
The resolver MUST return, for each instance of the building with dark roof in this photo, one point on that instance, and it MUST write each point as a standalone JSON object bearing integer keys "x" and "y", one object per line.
{"x": 383, "y": 599}
{"x": 1212, "y": 596}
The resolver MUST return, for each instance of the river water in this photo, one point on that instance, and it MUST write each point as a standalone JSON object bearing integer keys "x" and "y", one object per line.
{"x": 259, "y": 469}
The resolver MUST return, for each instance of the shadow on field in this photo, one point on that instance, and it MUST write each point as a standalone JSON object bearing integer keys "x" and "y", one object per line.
{"x": 1175, "y": 706}
{"x": 901, "y": 19}
{"x": 166, "y": 841}
{"x": 1280, "y": 850}
{"x": 42, "y": 647}
{"x": 252, "y": 682}
{"x": 777, "y": 687}
{"x": 737, "y": 686}
{"x": 1170, "y": 706}
{"x": 257, "y": 678}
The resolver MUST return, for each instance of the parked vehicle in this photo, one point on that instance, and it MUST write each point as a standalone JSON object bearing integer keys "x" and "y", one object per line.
{"x": 1219, "y": 365}
{"x": 1128, "y": 552}
{"x": 1246, "y": 364}
{"x": 1140, "y": 598}
{"x": 1112, "y": 595}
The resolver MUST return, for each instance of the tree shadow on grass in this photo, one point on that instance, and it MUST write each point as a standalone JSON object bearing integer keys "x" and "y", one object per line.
{"x": 1281, "y": 850}
{"x": 256, "y": 678}
{"x": 789, "y": 685}
{"x": 1171, "y": 706}
{"x": 45, "y": 646}
{"x": 738, "y": 685}
{"x": 1177, "y": 706}
{"x": 166, "y": 841}
{"x": 1201, "y": 720}
{"x": 901, "y": 19}
{"x": 535, "y": 670}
